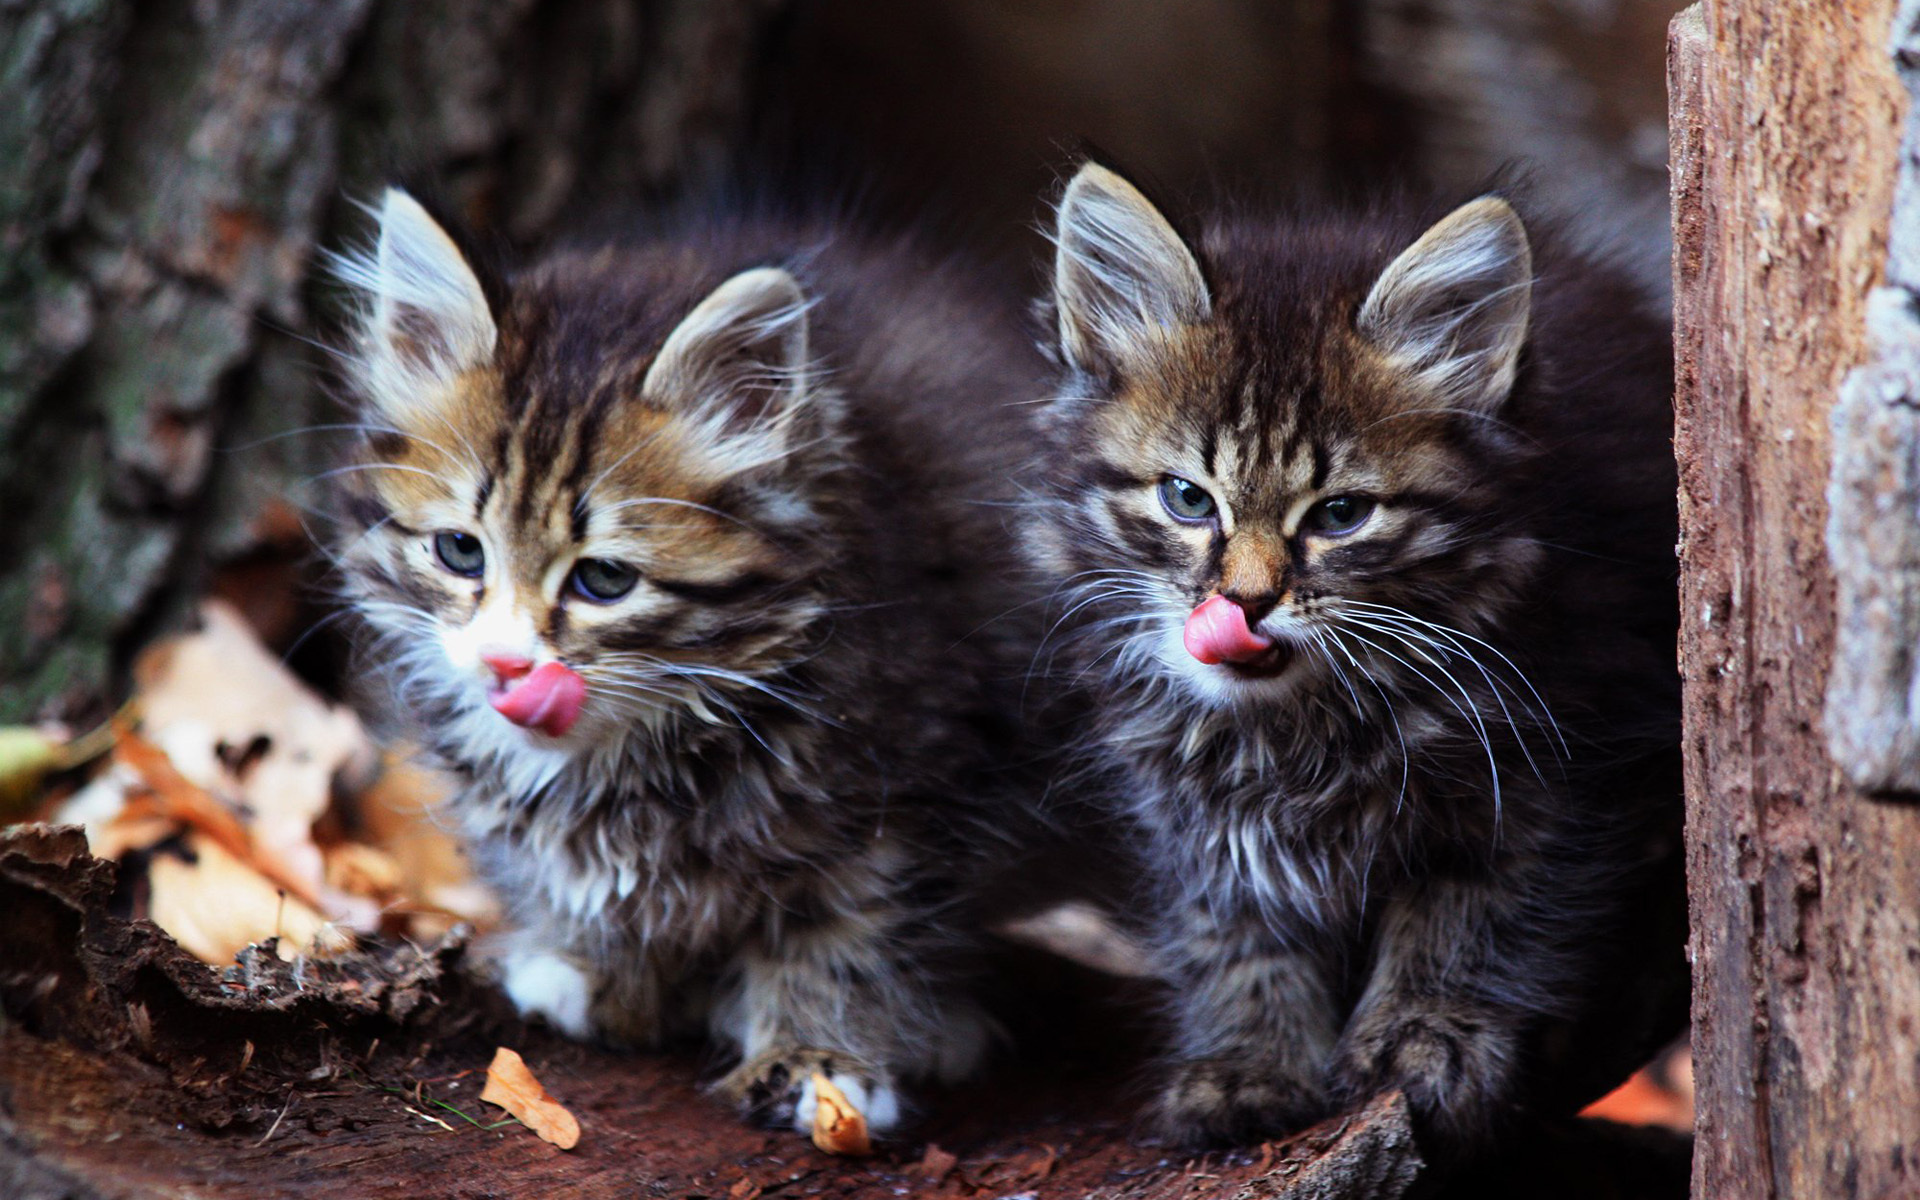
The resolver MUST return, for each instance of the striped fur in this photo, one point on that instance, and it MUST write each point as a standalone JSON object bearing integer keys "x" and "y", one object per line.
{"x": 1404, "y": 848}
{"x": 773, "y": 819}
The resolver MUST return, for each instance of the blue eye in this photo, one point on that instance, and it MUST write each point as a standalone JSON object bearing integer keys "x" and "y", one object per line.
{"x": 460, "y": 553}
{"x": 1338, "y": 515}
{"x": 1186, "y": 500}
{"x": 602, "y": 580}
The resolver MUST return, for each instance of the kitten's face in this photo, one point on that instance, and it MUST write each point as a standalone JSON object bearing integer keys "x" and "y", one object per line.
{"x": 630, "y": 515}
{"x": 1267, "y": 492}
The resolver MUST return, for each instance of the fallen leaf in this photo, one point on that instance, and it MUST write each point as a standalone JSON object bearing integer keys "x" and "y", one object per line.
{"x": 744, "y": 1188}
{"x": 936, "y": 1164}
{"x": 838, "y": 1127}
{"x": 1081, "y": 933}
{"x": 363, "y": 871}
{"x": 217, "y": 905}
{"x": 401, "y": 815}
{"x": 28, "y": 755}
{"x": 1644, "y": 1100}
{"x": 234, "y": 722}
{"x": 512, "y": 1086}
{"x": 1040, "y": 1166}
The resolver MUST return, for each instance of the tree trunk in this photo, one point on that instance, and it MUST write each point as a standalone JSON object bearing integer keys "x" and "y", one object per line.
{"x": 167, "y": 169}
{"x": 1806, "y": 904}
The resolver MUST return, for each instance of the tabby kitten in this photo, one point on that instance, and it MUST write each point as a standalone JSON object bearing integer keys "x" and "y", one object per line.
{"x": 1368, "y": 533}
{"x": 684, "y": 568}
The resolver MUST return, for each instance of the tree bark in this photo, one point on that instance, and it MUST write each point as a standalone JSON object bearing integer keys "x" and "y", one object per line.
{"x": 167, "y": 169}
{"x": 1806, "y": 906}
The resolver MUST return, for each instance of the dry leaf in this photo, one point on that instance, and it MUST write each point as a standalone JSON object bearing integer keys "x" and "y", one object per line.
{"x": 363, "y": 871}
{"x": 936, "y": 1164}
{"x": 400, "y": 816}
{"x": 512, "y": 1086}
{"x": 236, "y": 723}
{"x": 838, "y": 1127}
{"x": 1080, "y": 932}
{"x": 217, "y": 905}
{"x": 26, "y": 757}
{"x": 1038, "y": 1167}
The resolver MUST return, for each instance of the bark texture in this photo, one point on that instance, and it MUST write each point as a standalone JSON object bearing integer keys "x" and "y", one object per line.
{"x": 167, "y": 169}
{"x": 1806, "y": 907}
{"x": 1873, "y": 526}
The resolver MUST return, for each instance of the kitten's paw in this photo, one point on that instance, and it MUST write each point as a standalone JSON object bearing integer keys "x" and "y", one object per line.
{"x": 546, "y": 985}
{"x": 1455, "y": 1064}
{"x": 775, "y": 1088}
{"x": 1218, "y": 1102}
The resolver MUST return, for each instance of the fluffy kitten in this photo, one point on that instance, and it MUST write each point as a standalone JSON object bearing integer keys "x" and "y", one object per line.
{"x": 690, "y": 571}
{"x": 1369, "y": 534}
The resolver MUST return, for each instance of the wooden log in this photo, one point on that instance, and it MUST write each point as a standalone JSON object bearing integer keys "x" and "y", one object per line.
{"x": 1806, "y": 906}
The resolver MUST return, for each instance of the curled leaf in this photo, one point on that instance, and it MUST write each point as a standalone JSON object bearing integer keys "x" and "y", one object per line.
{"x": 512, "y": 1086}
{"x": 838, "y": 1127}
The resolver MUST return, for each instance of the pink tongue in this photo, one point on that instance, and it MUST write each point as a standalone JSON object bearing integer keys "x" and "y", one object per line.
{"x": 548, "y": 700}
{"x": 1217, "y": 632}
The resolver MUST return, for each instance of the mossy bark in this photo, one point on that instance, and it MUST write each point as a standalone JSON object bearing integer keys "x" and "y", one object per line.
{"x": 167, "y": 170}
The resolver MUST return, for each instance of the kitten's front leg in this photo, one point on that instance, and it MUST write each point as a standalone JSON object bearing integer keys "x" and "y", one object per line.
{"x": 1255, "y": 1024}
{"x": 617, "y": 999}
{"x": 1441, "y": 1017}
{"x": 847, "y": 996}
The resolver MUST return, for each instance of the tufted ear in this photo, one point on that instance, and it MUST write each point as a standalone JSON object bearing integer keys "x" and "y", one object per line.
{"x": 1453, "y": 308}
{"x": 1121, "y": 274}
{"x": 426, "y": 318}
{"x": 740, "y": 357}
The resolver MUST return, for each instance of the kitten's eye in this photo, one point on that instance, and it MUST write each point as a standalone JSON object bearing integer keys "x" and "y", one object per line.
{"x": 460, "y": 553}
{"x": 1186, "y": 500}
{"x": 603, "y": 580}
{"x": 1338, "y": 515}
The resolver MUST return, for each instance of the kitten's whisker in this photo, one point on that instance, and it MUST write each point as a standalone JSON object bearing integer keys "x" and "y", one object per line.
{"x": 354, "y": 468}
{"x": 677, "y": 503}
{"x": 1468, "y": 713}
{"x": 1405, "y": 632}
{"x": 1546, "y": 713}
{"x": 1406, "y": 759}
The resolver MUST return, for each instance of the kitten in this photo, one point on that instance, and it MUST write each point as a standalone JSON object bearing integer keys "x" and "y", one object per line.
{"x": 1370, "y": 533}
{"x": 690, "y": 572}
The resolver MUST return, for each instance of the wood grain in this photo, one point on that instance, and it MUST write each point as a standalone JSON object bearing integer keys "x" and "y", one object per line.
{"x": 1806, "y": 906}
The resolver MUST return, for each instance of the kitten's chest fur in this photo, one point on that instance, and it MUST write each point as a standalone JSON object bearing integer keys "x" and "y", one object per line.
{"x": 681, "y": 840}
{"x": 1302, "y": 813}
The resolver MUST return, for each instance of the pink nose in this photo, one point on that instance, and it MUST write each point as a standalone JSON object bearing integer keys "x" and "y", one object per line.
{"x": 506, "y": 665}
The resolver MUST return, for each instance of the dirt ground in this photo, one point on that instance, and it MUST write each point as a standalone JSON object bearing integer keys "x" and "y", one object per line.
{"x": 128, "y": 1068}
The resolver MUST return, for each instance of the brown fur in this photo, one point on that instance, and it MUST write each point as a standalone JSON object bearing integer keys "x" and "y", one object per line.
{"x": 784, "y": 798}
{"x": 1408, "y": 848}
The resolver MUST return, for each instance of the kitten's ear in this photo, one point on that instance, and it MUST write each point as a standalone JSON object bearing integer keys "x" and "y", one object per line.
{"x": 1453, "y": 308}
{"x": 1121, "y": 274}
{"x": 740, "y": 355}
{"x": 427, "y": 318}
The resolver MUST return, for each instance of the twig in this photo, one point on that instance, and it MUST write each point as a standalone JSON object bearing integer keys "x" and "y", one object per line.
{"x": 291, "y": 1097}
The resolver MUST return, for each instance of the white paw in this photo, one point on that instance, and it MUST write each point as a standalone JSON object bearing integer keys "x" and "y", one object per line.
{"x": 881, "y": 1106}
{"x": 546, "y": 985}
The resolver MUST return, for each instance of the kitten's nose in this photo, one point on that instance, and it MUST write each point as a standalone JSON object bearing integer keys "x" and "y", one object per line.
{"x": 1255, "y": 604}
{"x": 506, "y": 665}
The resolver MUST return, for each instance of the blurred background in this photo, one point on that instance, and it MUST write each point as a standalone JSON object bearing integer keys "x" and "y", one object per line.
{"x": 169, "y": 169}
